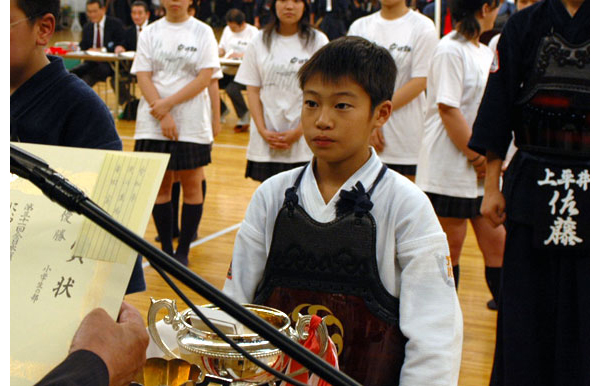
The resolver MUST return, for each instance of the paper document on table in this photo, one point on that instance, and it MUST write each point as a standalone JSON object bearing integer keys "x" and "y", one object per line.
{"x": 61, "y": 265}
{"x": 100, "y": 53}
{"x": 127, "y": 54}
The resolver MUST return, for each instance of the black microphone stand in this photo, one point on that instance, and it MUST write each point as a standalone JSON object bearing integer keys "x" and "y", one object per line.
{"x": 60, "y": 190}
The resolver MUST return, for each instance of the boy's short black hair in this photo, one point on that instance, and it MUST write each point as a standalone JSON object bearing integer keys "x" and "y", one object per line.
{"x": 366, "y": 63}
{"x": 140, "y": 3}
{"x": 236, "y": 16}
{"x": 34, "y": 9}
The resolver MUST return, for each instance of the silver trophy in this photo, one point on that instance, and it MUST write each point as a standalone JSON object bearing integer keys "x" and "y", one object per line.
{"x": 202, "y": 347}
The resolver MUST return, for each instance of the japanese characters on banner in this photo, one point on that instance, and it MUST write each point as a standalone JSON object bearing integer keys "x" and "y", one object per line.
{"x": 567, "y": 216}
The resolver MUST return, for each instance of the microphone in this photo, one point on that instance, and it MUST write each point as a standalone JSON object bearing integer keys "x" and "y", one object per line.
{"x": 53, "y": 184}
{"x": 59, "y": 189}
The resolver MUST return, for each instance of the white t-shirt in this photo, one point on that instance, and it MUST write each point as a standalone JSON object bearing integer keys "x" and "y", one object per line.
{"x": 274, "y": 71}
{"x": 175, "y": 53}
{"x": 236, "y": 42}
{"x": 411, "y": 40}
{"x": 411, "y": 259}
{"x": 457, "y": 78}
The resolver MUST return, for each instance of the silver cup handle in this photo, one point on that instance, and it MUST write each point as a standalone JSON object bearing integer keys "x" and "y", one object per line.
{"x": 322, "y": 334}
{"x": 173, "y": 318}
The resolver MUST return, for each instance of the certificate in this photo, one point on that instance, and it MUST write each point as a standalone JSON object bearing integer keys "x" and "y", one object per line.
{"x": 61, "y": 265}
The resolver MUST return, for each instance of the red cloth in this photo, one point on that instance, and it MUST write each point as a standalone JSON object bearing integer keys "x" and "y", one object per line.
{"x": 312, "y": 343}
{"x": 447, "y": 22}
{"x": 55, "y": 50}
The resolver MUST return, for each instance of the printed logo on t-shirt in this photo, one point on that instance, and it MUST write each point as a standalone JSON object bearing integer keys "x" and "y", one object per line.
{"x": 181, "y": 60}
{"x": 395, "y": 47}
{"x": 399, "y": 53}
{"x": 283, "y": 75}
{"x": 299, "y": 61}
{"x": 182, "y": 47}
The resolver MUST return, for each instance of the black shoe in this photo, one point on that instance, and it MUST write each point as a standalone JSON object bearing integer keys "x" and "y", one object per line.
{"x": 182, "y": 259}
{"x": 491, "y": 305}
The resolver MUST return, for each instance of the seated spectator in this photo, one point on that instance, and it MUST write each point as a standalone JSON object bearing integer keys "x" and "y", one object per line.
{"x": 102, "y": 33}
{"x": 234, "y": 40}
{"x": 140, "y": 14}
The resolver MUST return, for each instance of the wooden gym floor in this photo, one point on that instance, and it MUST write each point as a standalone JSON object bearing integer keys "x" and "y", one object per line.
{"x": 228, "y": 194}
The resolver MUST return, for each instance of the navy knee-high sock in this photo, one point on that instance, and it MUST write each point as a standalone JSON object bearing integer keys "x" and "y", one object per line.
{"x": 203, "y": 190}
{"x": 190, "y": 219}
{"x": 163, "y": 219}
{"x": 456, "y": 274}
{"x": 175, "y": 189}
{"x": 492, "y": 277}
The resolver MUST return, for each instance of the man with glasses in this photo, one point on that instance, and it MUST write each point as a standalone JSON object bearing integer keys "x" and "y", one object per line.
{"x": 50, "y": 106}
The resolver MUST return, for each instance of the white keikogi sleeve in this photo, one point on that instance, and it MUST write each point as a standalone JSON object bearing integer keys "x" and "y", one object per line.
{"x": 430, "y": 314}
{"x": 249, "y": 252}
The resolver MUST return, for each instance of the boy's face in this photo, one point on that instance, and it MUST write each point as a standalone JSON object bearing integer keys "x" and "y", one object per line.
{"x": 337, "y": 120}
{"x": 23, "y": 40}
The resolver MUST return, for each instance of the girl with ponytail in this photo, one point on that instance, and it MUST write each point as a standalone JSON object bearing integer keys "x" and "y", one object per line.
{"x": 448, "y": 171}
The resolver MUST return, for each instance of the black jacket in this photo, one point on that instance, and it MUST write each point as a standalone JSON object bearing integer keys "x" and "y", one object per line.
{"x": 130, "y": 41}
{"x": 114, "y": 34}
{"x": 79, "y": 368}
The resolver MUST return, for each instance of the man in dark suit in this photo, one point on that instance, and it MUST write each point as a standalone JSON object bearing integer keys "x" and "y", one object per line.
{"x": 140, "y": 14}
{"x": 102, "y": 33}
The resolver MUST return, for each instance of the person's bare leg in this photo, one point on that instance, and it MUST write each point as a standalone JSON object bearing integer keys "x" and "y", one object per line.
{"x": 491, "y": 243}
